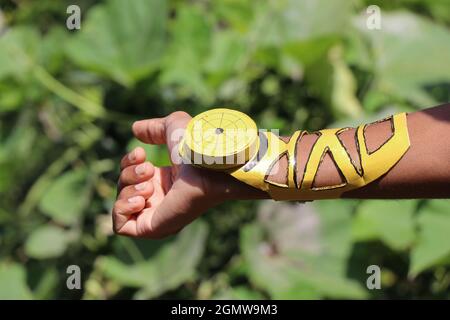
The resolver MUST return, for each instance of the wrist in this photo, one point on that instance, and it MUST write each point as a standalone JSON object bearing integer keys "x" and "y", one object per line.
{"x": 225, "y": 187}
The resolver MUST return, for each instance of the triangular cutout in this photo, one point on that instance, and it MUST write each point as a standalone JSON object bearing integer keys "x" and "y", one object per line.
{"x": 349, "y": 141}
{"x": 304, "y": 145}
{"x": 284, "y": 139}
{"x": 278, "y": 171}
{"x": 376, "y": 134}
{"x": 328, "y": 175}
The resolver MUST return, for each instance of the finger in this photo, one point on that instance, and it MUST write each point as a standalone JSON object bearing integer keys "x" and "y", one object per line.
{"x": 136, "y": 156}
{"x": 160, "y": 130}
{"x": 144, "y": 189}
{"x": 128, "y": 228}
{"x": 151, "y": 131}
{"x": 124, "y": 209}
{"x": 136, "y": 174}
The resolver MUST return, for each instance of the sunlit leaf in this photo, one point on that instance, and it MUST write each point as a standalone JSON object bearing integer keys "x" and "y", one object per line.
{"x": 410, "y": 54}
{"x": 123, "y": 40}
{"x": 23, "y": 48}
{"x": 185, "y": 56}
{"x": 292, "y": 21}
{"x": 18, "y": 49}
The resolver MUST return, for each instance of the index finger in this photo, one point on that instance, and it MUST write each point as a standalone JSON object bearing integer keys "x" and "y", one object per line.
{"x": 136, "y": 156}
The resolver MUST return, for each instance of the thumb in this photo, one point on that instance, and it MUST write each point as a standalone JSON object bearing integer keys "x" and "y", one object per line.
{"x": 168, "y": 130}
{"x": 152, "y": 131}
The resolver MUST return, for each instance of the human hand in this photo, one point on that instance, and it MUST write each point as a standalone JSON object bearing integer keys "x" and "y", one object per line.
{"x": 154, "y": 202}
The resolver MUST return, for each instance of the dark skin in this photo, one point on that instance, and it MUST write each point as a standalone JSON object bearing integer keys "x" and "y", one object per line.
{"x": 156, "y": 202}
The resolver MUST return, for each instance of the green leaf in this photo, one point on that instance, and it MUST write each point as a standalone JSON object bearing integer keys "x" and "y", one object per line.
{"x": 190, "y": 46}
{"x": 174, "y": 264}
{"x": 410, "y": 53}
{"x": 310, "y": 52}
{"x": 46, "y": 242}
{"x": 51, "y": 53}
{"x": 121, "y": 40}
{"x": 291, "y": 21}
{"x": 433, "y": 245}
{"x": 335, "y": 83}
{"x": 23, "y": 48}
{"x": 67, "y": 197}
{"x": 238, "y": 14}
{"x": 302, "y": 31}
{"x": 228, "y": 52}
{"x": 12, "y": 97}
{"x": 301, "y": 251}
{"x": 389, "y": 221}
{"x": 18, "y": 51}
{"x": 13, "y": 283}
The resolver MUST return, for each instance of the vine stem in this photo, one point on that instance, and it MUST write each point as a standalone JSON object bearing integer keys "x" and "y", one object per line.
{"x": 44, "y": 181}
{"x": 87, "y": 106}
{"x": 72, "y": 97}
{"x": 67, "y": 94}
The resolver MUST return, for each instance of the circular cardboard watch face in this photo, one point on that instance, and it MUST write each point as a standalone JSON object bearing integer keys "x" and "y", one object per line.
{"x": 220, "y": 139}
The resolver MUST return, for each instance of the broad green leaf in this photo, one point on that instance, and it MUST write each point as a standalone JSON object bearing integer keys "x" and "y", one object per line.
{"x": 123, "y": 40}
{"x": 410, "y": 53}
{"x": 13, "y": 283}
{"x": 390, "y": 221}
{"x": 310, "y": 52}
{"x": 335, "y": 84}
{"x": 290, "y": 21}
{"x": 67, "y": 197}
{"x": 22, "y": 48}
{"x": 302, "y": 30}
{"x": 47, "y": 242}
{"x": 18, "y": 47}
{"x": 228, "y": 53}
{"x": 187, "y": 52}
{"x": 433, "y": 244}
{"x": 51, "y": 53}
{"x": 300, "y": 252}
{"x": 174, "y": 264}
{"x": 238, "y": 14}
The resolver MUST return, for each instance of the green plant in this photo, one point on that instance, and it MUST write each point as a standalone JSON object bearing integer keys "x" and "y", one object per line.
{"x": 68, "y": 98}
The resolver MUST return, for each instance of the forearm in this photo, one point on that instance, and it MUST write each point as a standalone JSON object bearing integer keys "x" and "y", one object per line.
{"x": 423, "y": 171}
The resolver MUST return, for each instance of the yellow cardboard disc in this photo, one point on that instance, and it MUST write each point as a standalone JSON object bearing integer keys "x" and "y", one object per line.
{"x": 220, "y": 139}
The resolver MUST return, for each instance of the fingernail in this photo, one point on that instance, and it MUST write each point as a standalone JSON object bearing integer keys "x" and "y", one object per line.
{"x": 134, "y": 199}
{"x": 132, "y": 155}
{"x": 140, "y": 169}
{"x": 140, "y": 186}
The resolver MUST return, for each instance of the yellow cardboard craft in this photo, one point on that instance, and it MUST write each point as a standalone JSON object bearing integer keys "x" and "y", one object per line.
{"x": 228, "y": 140}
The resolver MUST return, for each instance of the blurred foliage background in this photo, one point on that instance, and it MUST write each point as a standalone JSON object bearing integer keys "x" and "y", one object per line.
{"x": 68, "y": 98}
